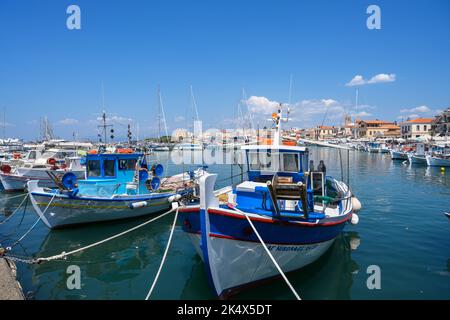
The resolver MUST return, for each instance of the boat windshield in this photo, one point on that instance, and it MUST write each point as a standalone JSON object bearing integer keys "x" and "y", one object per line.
{"x": 109, "y": 167}
{"x": 274, "y": 162}
{"x": 93, "y": 168}
{"x": 47, "y": 155}
{"x": 127, "y": 164}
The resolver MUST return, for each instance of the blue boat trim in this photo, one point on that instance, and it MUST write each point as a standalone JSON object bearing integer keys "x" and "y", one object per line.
{"x": 143, "y": 197}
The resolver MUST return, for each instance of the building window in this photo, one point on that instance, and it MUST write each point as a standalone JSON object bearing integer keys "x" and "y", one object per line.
{"x": 425, "y": 128}
{"x": 417, "y": 128}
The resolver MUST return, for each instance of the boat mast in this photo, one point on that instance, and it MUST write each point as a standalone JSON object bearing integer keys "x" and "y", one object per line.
{"x": 356, "y": 112}
{"x": 159, "y": 114}
{"x": 244, "y": 97}
{"x": 161, "y": 106}
{"x": 277, "y": 120}
{"x": 4, "y": 124}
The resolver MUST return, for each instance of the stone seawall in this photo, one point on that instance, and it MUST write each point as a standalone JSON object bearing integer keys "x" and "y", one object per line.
{"x": 10, "y": 288}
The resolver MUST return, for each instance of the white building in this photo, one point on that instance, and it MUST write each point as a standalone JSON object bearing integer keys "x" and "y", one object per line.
{"x": 416, "y": 128}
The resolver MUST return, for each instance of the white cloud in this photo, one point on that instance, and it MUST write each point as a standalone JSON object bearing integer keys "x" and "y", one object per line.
{"x": 114, "y": 119}
{"x": 361, "y": 114}
{"x": 382, "y": 77}
{"x": 420, "y": 109}
{"x": 179, "y": 119}
{"x": 409, "y": 116}
{"x": 305, "y": 113}
{"x": 68, "y": 122}
{"x": 262, "y": 105}
{"x": 359, "y": 80}
{"x": 329, "y": 102}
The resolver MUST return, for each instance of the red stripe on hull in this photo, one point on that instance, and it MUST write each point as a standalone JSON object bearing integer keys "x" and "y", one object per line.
{"x": 273, "y": 221}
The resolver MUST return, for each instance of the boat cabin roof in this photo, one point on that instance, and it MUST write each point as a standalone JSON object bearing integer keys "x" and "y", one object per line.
{"x": 111, "y": 165}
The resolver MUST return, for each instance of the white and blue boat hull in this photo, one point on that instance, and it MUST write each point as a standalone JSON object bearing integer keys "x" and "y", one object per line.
{"x": 233, "y": 255}
{"x": 64, "y": 210}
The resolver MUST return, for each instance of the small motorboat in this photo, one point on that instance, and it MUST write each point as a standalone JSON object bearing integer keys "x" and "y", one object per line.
{"x": 297, "y": 211}
{"x": 398, "y": 155}
{"x": 417, "y": 159}
{"x": 117, "y": 186}
{"x": 447, "y": 214}
{"x": 15, "y": 179}
{"x": 188, "y": 147}
{"x": 438, "y": 160}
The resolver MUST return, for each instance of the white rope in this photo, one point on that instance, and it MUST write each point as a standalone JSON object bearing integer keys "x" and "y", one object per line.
{"x": 163, "y": 258}
{"x": 17, "y": 209}
{"x": 270, "y": 255}
{"x": 37, "y": 221}
{"x": 65, "y": 254}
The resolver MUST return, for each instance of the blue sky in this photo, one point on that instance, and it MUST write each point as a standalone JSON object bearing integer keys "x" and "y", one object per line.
{"x": 219, "y": 47}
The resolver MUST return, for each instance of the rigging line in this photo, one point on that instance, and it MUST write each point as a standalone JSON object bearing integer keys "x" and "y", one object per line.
{"x": 164, "y": 257}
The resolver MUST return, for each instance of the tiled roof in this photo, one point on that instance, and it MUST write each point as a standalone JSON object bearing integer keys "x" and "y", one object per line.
{"x": 420, "y": 120}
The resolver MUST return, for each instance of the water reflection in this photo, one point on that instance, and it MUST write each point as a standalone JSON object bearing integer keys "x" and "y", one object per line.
{"x": 330, "y": 277}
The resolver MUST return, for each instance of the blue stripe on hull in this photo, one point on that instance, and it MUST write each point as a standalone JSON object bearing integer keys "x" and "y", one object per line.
{"x": 274, "y": 233}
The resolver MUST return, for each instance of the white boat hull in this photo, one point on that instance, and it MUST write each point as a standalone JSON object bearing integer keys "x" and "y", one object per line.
{"x": 438, "y": 162}
{"x": 230, "y": 273}
{"x": 18, "y": 181}
{"x": 414, "y": 159}
{"x": 397, "y": 155}
{"x": 65, "y": 211}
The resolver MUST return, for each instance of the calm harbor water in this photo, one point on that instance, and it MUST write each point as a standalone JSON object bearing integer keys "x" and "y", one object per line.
{"x": 402, "y": 230}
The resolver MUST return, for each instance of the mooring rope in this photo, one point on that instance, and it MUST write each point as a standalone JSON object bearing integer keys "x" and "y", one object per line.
{"x": 163, "y": 258}
{"x": 13, "y": 197}
{"x": 65, "y": 254}
{"x": 34, "y": 225}
{"x": 269, "y": 254}
{"x": 14, "y": 212}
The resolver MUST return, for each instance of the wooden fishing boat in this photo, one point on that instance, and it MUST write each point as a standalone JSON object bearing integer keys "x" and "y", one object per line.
{"x": 297, "y": 211}
{"x": 117, "y": 186}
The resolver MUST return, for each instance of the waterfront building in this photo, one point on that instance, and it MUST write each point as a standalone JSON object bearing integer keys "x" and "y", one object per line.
{"x": 441, "y": 124}
{"x": 375, "y": 128}
{"x": 325, "y": 132}
{"x": 416, "y": 128}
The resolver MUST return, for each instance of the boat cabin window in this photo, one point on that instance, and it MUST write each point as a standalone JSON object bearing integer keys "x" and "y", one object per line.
{"x": 290, "y": 162}
{"x": 127, "y": 164}
{"x": 64, "y": 154}
{"x": 93, "y": 167}
{"x": 272, "y": 162}
{"x": 32, "y": 155}
{"x": 263, "y": 161}
{"x": 109, "y": 168}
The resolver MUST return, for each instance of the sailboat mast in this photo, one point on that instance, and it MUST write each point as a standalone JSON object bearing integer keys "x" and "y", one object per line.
{"x": 159, "y": 114}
